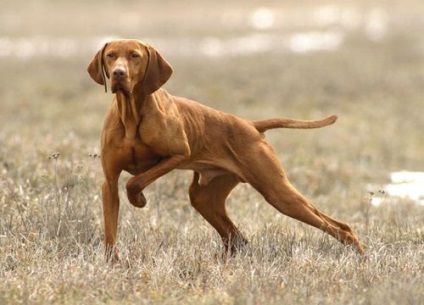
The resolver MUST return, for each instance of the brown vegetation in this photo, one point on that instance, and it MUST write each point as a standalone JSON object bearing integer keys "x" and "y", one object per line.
{"x": 51, "y": 241}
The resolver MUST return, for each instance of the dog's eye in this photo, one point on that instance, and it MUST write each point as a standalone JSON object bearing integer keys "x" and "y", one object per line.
{"x": 110, "y": 55}
{"x": 135, "y": 55}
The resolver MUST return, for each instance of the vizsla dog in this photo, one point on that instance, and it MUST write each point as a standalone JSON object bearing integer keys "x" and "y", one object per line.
{"x": 149, "y": 132}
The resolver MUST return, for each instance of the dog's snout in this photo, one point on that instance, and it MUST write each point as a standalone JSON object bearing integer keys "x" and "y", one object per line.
{"x": 119, "y": 72}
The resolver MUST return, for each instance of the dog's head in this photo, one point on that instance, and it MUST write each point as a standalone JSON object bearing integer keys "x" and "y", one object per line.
{"x": 130, "y": 65}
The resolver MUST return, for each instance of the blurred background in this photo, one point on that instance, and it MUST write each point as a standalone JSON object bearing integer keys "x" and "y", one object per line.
{"x": 361, "y": 60}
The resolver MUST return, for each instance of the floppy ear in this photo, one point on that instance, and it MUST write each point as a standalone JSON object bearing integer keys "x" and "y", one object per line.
{"x": 158, "y": 71}
{"x": 96, "y": 68}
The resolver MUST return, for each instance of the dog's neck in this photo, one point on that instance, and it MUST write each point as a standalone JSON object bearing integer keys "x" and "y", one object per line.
{"x": 132, "y": 108}
{"x": 130, "y": 111}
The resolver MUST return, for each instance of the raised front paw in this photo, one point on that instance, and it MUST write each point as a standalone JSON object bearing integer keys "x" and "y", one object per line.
{"x": 137, "y": 199}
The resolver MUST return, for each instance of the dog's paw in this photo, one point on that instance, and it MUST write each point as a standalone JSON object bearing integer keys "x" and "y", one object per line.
{"x": 138, "y": 200}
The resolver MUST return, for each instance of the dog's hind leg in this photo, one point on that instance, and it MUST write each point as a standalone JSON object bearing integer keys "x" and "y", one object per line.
{"x": 264, "y": 172}
{"x": 209, "y": 201}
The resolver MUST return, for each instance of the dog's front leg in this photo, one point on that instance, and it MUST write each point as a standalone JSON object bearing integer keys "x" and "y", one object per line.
{"x": 137, "y": 183}
{"x": 110, "y": 214}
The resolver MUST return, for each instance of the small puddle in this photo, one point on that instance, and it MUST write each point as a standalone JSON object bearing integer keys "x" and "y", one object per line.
{"x": 404, "y": 185}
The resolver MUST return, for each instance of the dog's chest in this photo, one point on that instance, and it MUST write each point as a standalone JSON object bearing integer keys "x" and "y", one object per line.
{"x": 139, "y": 157}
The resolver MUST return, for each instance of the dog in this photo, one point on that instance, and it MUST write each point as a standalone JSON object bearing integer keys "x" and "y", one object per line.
{"x": 148, "y": 132}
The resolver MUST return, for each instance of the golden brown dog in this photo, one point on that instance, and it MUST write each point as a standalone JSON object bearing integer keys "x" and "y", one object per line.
{"x": 149, "y": 132}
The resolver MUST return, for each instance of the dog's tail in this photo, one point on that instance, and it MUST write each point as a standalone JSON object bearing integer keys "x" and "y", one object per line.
{"x": 264, "y": 125}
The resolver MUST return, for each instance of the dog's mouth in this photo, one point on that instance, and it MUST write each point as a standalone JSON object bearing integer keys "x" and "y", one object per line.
{"x": 120, "y": 86}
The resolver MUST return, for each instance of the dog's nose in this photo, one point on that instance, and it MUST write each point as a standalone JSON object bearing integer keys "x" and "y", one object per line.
{"x": 119, "y": 72}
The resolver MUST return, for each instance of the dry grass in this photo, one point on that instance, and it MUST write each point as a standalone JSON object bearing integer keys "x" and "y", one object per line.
{"x": 51, "y": 220}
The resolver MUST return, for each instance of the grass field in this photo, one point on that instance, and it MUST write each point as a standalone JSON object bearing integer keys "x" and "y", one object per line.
{"x": 51, "y": 227}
